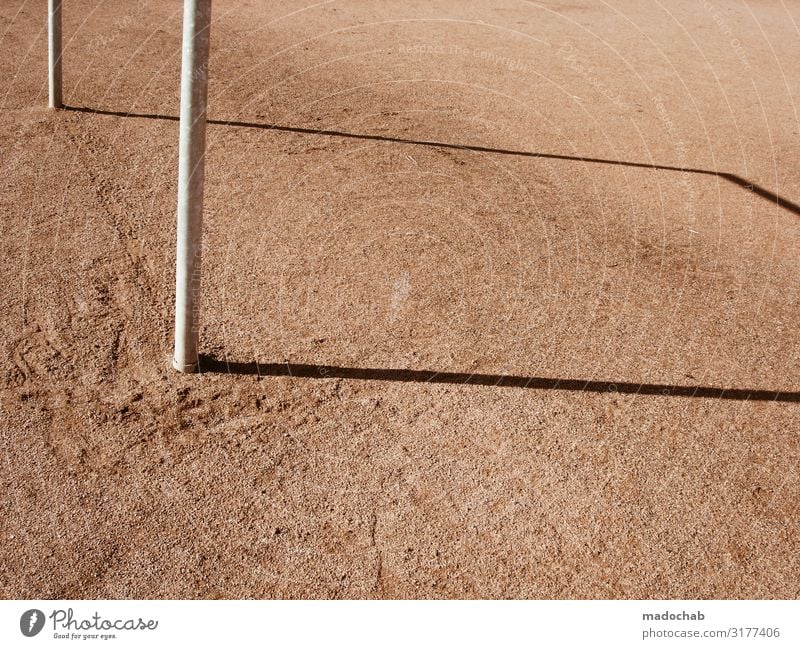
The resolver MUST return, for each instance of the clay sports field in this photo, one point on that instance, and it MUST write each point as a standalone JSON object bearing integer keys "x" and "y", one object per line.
{"x": 500, "y": 300}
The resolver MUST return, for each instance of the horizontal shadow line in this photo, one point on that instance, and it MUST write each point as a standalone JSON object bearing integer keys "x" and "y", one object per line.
{"x": 732, "y": 178}
{"x": 301, "y": 370}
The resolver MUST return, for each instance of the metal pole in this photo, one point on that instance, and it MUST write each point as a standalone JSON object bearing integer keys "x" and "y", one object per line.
{"x": 191, "y": 161}
{"x": 54, "y": 52}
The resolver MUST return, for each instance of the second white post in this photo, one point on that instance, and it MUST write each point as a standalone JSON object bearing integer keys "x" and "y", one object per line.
{"x": 191, "y": 171}
{"x": 54, "y": 52}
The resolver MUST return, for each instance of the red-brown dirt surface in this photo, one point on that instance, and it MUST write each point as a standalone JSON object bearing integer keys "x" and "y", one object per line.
{"x": 350, "y": 245}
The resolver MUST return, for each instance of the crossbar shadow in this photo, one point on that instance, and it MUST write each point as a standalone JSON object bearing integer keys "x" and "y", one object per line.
{"x": 300, "y": 370}
{"x": 762, "y": 192}
{"x": 208, "y": 364}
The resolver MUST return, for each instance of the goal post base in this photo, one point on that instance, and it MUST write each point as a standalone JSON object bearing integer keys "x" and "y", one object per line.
{"x": 185, "y": 368}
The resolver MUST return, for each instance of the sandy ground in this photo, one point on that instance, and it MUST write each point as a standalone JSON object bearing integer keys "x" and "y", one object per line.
{"x": 500, "y": 300}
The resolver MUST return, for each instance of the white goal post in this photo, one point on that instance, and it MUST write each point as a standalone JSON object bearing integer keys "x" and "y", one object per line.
{"x": 54, "y": 52}
{"x": 191, "y": 173}
{"x": 191, "y": 164}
